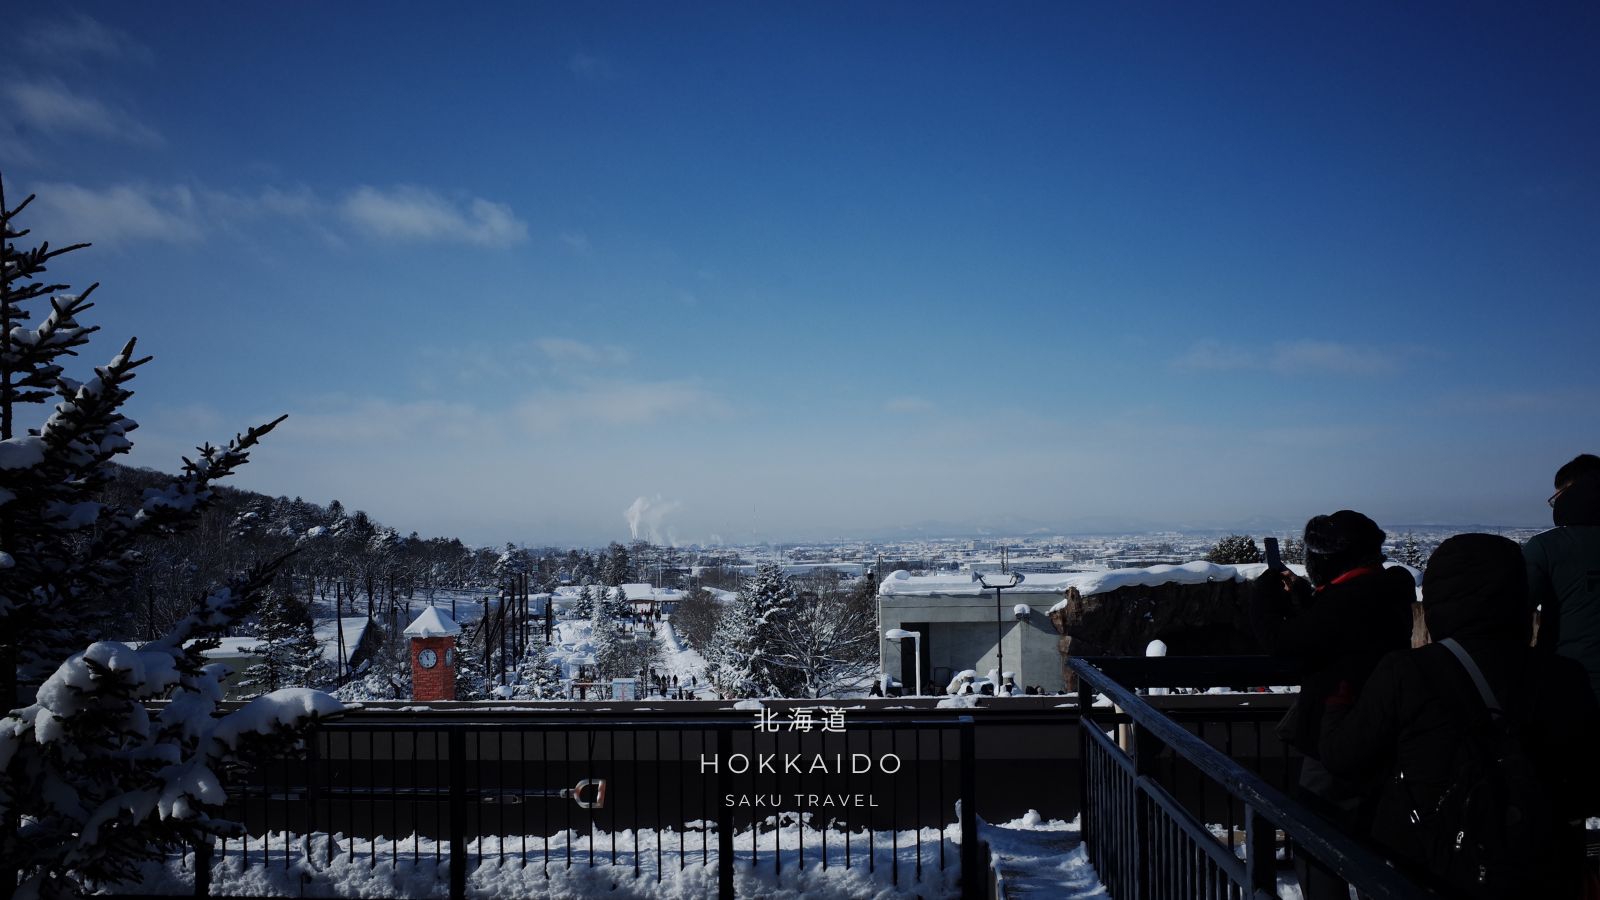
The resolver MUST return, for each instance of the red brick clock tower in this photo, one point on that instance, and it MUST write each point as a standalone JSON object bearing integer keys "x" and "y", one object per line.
{"x": 433, "y": 655}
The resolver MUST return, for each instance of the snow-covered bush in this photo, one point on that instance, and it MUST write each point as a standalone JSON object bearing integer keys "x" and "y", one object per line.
{"x": 90, "y": 782}
{"x": 1234, "y": 550}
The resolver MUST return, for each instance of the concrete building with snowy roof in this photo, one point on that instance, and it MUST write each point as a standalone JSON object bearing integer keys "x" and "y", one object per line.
{"x": 957, "y": 619}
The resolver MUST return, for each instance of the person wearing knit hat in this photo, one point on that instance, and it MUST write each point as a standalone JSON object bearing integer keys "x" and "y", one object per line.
{"x": 1420, "y": 708}
{"x": 1335, "y": 624}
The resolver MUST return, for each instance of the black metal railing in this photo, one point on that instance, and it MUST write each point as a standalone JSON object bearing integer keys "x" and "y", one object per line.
{"x": 399, "y": 808}
{"x": 1146, "y": 843}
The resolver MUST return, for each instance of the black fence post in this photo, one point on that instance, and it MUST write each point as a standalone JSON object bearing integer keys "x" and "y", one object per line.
{"x": 1085, "y": 818}
{"x": 1146, "y": 747}
{"x": 724, "y": 816}
{"x": 202, "y": 866}
{"x": 1260, "y": 855}
{"x": 974, "y": 883}
{"x": 458, "y": 814}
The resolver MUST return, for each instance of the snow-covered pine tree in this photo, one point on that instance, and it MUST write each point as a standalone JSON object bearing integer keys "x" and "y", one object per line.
{"x": 473, "y": 678}
{"x": 90, "y": 783}
{"x": 290, "y": 653}
{"x": 538, "y": 674}
{"x": 584, "y": 607}
{"x": 1235, "y": 549}
{"x": 603, "y": 640}
{"x": 742, "y": 660}
{"x": 618, "y": 609}
{"x": 1410, "y": 552}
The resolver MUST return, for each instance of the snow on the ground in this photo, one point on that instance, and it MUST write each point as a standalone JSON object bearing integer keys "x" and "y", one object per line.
{"x": 1035, "y": 856}
{"x": 499, "y": 867}
{"x": 681, "y": 659}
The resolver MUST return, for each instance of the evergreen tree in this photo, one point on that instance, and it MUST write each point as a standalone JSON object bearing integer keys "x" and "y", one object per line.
{"x": 91, "y": 780}
{"x": 743, "y": 659}
{"x": 618, "y": 609}
{"x": 538, "y": 674}
{"x": 291, "y": 656}
{"x": 603, "y": 641}
{"x": 615, "y": 567}
{"x": 584, "y": 607}
{"x": 472, "y": 676}
{"x": 1410, "y": 552}
{"x": 1235, "y": 549}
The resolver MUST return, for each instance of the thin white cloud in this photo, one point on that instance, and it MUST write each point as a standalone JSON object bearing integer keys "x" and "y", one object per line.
{"x": 618, "y": 402}
{"x": 180, "y": 213}
{"x": 576, "y": 241}
{"x": 1290, "y": 358}
{"x": 567, "y": 350}
{"x": 120, "y": 214}
{"x": 408, "y": 213}
{"x": 55, "y": 109}
{"x": 1330, "y": 357}
{"x": 69, "y": 41}
{"x": 1213, "y": 355}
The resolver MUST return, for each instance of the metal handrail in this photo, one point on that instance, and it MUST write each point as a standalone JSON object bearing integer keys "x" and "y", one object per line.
{"x": 1368, "y": 872}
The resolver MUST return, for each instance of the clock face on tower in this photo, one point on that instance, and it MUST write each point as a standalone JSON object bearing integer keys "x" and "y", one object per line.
{"x": 428, "y": 658}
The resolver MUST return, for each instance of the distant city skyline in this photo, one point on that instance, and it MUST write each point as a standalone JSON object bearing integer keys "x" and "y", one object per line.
{"x": 721, "y": 272}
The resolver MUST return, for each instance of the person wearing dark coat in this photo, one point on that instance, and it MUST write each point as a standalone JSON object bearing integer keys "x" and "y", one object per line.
{"x": 1564, "y": 568}
{"x": 1419, "y": 707}
{"x": 1336, "y": 624}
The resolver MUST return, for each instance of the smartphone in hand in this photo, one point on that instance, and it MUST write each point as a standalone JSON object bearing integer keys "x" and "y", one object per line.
{"x": 1274, "y": 560}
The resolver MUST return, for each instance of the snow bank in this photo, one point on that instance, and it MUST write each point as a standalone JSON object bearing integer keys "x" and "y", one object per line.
{"x": 671, "y": 864}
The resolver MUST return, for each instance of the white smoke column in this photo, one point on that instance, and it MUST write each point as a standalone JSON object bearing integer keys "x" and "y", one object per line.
{"x": 646, "y": 515}
{"x": 633, "y": 514}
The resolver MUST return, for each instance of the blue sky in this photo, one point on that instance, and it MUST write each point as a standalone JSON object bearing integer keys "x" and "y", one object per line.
{"x": 795, "y": 271}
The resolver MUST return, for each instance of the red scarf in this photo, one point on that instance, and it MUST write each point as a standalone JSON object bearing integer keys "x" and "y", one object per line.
{"x": 1353, "y": 574}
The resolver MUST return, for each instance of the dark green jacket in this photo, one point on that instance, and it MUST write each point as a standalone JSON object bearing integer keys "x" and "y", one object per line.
{"x": 1564, "y": 578}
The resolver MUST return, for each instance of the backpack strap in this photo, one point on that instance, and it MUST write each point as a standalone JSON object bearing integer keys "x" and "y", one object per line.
{"x": 1467, "y": 663}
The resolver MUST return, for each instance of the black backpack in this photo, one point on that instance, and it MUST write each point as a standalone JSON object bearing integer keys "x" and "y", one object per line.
{"x": 1493, "y": 828}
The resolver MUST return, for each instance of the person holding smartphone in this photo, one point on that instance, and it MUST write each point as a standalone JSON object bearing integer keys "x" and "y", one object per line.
{"x": 1335, "y": 624}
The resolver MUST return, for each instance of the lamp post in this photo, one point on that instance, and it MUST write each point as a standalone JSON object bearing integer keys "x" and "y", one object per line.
{"x": 999, "y": 623}
{"x": 897, "y": 634}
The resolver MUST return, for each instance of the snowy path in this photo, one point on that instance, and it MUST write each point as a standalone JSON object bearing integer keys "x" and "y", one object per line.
{"x": 1038, "y": 858}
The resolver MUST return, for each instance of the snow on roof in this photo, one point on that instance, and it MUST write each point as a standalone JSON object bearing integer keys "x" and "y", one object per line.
{"x": 434, "y": 622}
{"x": 639, "y": 591}
{"x": 904, "y": 584}
{"x": 351, "y": 626}
{"x": 1090, "y": 583}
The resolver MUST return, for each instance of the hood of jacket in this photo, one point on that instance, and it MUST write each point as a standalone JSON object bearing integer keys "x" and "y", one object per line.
{"x": 1476, "y": 585}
